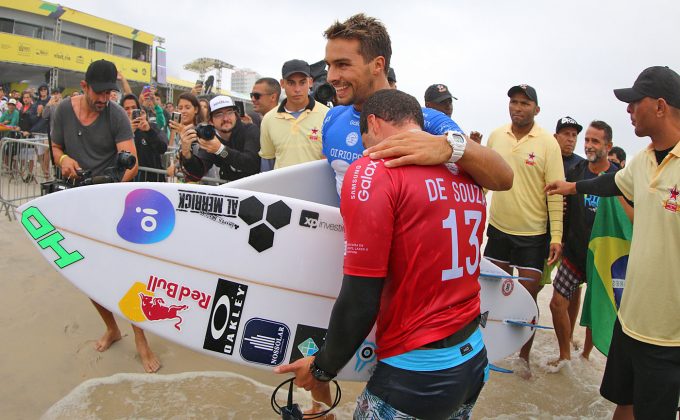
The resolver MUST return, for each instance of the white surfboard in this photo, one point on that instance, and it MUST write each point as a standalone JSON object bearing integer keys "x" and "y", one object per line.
{"x": 245, "y": 276}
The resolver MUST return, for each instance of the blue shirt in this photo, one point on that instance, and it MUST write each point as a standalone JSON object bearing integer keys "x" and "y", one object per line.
{"x": 342, "y": 139}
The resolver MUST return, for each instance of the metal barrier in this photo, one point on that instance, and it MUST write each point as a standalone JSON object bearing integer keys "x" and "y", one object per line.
{"x": 26, "y": 165}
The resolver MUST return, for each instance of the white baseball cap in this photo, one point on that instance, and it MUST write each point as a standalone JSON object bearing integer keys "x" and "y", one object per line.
{"x": 219, "y": 102}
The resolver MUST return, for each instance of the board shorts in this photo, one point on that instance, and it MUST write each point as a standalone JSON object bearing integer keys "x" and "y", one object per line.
{"x": 568, "y": 279}
{"x": 642, "y": 374}
{"x": 394, "y": 393}
{"x": 526, "y": 252}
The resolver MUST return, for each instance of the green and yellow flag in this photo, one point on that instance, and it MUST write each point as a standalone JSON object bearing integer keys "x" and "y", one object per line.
{"x": 606, "y": 270}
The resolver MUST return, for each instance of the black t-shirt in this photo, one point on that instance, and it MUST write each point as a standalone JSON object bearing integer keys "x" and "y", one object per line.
{"x": 580, "y": 216}
{"x": 570, "y": 161}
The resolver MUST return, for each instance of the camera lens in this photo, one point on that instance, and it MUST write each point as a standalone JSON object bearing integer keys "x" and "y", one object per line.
{"x": 205, "y": 131}
{"x": 325, "y": 93}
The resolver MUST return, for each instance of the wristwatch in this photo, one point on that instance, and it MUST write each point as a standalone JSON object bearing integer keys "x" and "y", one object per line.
{"x": 222, "y": 152}
{"x": 320, "y": 374}
{"x": 458, "y": 143}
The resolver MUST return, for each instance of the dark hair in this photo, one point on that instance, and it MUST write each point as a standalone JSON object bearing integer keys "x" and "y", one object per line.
{"x": 130, "y": 96}
{"x": 374, "y": 41}
{"x": 393, "y": 106}
{"x": 272, "y": 84}
{"x": 601, "y": 125}
{"x": 619, "y": 152}
{"x": 188, "y": 96}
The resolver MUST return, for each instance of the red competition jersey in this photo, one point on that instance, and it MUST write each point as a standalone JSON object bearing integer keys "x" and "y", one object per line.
{"x": 421, "y": 227}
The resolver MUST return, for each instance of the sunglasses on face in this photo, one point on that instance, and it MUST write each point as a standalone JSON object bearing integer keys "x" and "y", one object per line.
{"x": 256, "y": 95}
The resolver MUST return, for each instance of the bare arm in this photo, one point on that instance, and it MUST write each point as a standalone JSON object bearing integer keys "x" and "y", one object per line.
{"x": 484, "y": 165}
{"x": 124, "y": 83}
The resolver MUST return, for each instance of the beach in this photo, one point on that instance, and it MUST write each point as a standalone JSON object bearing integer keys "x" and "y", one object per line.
{"x": 50, "y": 368}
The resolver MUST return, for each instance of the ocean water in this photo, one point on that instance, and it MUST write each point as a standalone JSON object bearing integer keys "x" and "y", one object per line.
{"x": 570, "y": 393}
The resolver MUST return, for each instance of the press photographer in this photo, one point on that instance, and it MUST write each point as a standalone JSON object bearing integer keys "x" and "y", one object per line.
{"x": 226, "y": 142}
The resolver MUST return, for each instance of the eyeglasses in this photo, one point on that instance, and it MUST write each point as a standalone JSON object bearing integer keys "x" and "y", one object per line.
{"x": 257, "y": 95}
{"x": 221, "y": 115}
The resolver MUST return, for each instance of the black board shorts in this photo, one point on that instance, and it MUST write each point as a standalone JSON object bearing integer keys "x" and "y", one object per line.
{"x": 433, "y": 394}
{"x": 527, "y": 252}
{"x": 642, "y": 374}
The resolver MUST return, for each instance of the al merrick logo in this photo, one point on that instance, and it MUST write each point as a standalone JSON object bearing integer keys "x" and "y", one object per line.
{"x": 149, "y": 217}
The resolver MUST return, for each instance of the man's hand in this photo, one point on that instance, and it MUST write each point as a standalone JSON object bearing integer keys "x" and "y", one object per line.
{"x": 39, "y": 110}
{"x": 560, "y": 187}
{"x": 188, "y": 137}
{"x": 69, "y": 167}
{"x": 142, "y": 122}
{"x": 555, "y": 253}
{"x": 210, "y": 146}
{"x": 411, "y": 148}
{"x": 476, "y": 136}
{"x": 303, "y": 376}
{"x": 246, "y": 119}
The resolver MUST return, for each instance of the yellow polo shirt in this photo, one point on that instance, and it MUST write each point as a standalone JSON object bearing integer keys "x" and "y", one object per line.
{"x": 650, "y": 306}
{"x": 536, "y": 160}
{"x": 292, "y": 140}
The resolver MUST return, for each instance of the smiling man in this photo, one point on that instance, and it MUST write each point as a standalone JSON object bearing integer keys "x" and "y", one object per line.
{"x": 292, "y": 134}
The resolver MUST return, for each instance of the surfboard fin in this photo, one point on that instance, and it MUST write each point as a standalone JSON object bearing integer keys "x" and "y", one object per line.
{"x": 504, "y": 276}
{"x": 482, "y": 319}
{"x": 526, "y": 324}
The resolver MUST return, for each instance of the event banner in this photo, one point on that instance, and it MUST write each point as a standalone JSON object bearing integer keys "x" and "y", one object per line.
{"x": 37, "y": 52}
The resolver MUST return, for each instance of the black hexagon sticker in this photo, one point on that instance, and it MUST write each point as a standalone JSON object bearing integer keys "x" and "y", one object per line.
{"x": 251, "y": 210}
{"x": 261, "y": 237}
{"x": 278, "y": 214}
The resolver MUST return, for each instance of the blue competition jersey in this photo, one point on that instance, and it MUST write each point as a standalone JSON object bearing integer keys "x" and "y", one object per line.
{"x": 342, "y": 140}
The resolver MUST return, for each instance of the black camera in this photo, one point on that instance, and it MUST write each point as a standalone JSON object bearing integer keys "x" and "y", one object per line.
{"x": 124, "y": 161}
{"x": 205, "y": 131}
{"x": 324, "y": 93}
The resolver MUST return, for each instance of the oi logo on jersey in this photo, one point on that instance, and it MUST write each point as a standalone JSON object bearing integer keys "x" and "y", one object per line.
{"x": 149, "y": 217}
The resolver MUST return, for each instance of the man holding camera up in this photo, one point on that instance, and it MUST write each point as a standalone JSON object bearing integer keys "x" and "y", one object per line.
{"x": 227, "y": 142}
{"x": 88, "y": 133}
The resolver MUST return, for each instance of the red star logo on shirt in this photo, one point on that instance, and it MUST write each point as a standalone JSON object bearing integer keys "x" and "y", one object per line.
{"x": 674, "y": 192}
{"x": 530, "y": 161}
{"x": 532, "y": 156}
{"x": 315, "y": 130}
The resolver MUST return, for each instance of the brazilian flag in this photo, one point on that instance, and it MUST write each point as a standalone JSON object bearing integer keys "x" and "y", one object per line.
{"x": 606, "y": 270}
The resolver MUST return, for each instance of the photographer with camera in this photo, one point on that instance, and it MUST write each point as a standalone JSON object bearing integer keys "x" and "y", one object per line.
{"x": 91, "y": 133}
{"x": 227, "y": 142}
{"x": 150, "y": 141}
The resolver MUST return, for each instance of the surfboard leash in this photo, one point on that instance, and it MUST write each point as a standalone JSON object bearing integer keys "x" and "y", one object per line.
{"x": 292, "y": 411}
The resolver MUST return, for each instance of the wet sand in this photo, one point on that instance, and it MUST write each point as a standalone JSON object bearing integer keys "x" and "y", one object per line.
{"x": 49, "y": 367}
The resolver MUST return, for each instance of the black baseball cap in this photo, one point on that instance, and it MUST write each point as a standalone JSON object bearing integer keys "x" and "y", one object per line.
{"x": 295, "y": 66}
{"x": 654, "y": 82}
{"x": 437, "y": 93}
{"x": 525, "y": 89}
{"x": 568, "y": 122}
{"x": 391, "y": 76}
{"x": 101, "y": 75}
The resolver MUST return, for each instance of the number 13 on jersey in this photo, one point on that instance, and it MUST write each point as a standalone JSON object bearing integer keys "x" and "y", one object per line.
{"x": 471, "y": 217}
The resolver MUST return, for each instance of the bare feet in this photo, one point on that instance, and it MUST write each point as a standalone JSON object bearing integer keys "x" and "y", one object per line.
{"x": 524, "y": 370}
{"x": 150, "y": 362}
{"x": 109, "y": 337}
{"x": 576, "y": 344}
{"x": 555, "y": 366}
{"x": 557, "y": 362}
{"x": 585, "y": 355}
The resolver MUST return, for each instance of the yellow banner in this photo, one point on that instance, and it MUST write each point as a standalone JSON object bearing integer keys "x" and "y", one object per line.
{"x": 25, "y": 50}
{"x": 44, "y": 8}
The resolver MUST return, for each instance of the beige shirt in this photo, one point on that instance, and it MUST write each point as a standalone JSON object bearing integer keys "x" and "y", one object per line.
{"x": 650, "y": 306}
{"x": 536, "y": 160}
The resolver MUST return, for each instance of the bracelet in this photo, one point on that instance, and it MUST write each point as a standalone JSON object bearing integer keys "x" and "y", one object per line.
{"x": 62, "y": 157}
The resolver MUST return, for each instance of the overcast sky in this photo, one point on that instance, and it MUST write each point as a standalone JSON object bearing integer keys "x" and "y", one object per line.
{"x": 573, "y": 52}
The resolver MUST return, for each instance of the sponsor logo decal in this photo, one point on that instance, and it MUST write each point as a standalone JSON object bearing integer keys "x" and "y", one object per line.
{"x": 314, "y": 134}
{"x": 216, "y": 207}
{"x": 507, "y": 287}
{"x": 141, "y": 304}
{"x": 671, "y": 203}
{"x": 362, "y": 180}
{"x": 149, "y": 217}
{"x": 307, "y": 341}
{"x": 225, "y": 316}
{"x": 264, "y": 342}
{"x": 467, "y": 348}
{"x": 45, "y": 234}
{"x": 364, "y": 355}
{"x": 261, "y": 235}
{"x": 311, "y": 220}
